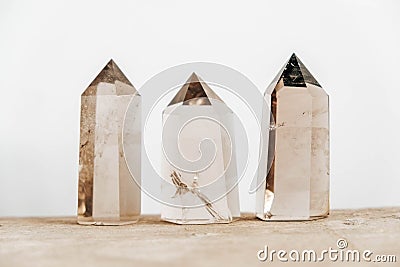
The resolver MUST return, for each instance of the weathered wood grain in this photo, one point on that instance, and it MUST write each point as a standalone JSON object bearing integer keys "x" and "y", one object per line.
{"x": 61, "y": 242}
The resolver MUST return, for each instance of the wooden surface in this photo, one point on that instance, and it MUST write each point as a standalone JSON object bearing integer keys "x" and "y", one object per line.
{"x": 61, "y": 242}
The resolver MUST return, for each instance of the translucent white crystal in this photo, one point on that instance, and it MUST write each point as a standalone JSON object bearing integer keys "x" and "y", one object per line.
{"x": 108, "y": 194}
{"x": 193, "y": 194}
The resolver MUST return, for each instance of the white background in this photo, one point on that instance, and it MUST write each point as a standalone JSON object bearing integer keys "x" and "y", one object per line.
{"x": 51, "y": 50}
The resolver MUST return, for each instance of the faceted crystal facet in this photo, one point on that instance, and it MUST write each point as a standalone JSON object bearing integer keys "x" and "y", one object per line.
{"x": 208, "y": 195}
{"x": 108, "y": 194}
{"x": 296, "y": 187}
{"x": 194, "y": 92}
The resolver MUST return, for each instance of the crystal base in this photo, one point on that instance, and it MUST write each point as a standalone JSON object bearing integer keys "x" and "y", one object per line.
{"x": 277, "y": 218}
{"x": 107, "y": 221}
{"x": 195, "y": 221}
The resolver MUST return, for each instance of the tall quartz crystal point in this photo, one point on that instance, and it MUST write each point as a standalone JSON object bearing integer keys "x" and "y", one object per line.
{"x": 108, "y": 194}
{"x": 296, "y": 186}
{"x": 200, "y": 176}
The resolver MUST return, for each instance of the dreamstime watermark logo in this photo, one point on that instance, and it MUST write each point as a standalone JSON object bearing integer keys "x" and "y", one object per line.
{"x": 341, "y": 243}
{"x": 182, "y": 143}
{"x": 339, "y": 254}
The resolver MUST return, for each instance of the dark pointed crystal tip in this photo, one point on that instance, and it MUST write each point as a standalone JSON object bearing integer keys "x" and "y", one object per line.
{"x": 296, "y": 74}
{"x": 109, "y": 74}
{"x": 194, "y": 92}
